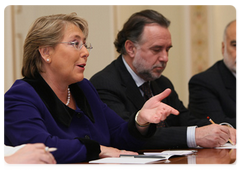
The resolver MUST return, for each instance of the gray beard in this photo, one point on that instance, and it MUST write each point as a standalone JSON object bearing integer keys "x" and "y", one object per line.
{"x": 146, "y": 74}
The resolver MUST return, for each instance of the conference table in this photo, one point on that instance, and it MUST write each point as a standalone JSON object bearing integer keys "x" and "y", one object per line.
{"x": 200, "y": 156}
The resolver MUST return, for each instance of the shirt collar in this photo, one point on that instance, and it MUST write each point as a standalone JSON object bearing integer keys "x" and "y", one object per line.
{"x": 138, "y": 80}
{"x": 234, "y": 74}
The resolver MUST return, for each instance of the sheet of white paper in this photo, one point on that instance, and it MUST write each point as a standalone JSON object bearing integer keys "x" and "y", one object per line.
{"x": 169, "y": 153}
{"x": 227, "y": 146}
{"x": 125, "y": 160}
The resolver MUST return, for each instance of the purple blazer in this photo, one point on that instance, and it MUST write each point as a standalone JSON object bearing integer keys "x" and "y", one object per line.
{"x": 34, "y": 114}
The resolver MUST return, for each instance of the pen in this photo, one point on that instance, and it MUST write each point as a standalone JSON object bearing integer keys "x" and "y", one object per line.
{"x": 214, "y": 123}
{"x": 50, "y": 149}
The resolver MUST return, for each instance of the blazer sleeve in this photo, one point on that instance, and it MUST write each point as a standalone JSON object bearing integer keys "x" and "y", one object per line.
{"x": 25, "y": 122}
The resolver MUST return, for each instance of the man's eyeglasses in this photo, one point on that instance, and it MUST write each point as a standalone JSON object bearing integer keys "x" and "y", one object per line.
{"x": 78, "y": 45}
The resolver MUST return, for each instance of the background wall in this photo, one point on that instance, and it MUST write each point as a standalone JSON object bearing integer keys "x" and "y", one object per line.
{"x": 196, "y": 35}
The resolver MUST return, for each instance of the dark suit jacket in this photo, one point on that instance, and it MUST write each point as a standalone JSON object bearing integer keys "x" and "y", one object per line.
{"x": 119, "y": 91}
{"x": 213, "y": 93}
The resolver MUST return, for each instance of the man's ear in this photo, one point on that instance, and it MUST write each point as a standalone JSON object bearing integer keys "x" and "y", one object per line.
{"x": 223, "y": 48}
{"x": 45, "y": 53}
{"x": 130, "y": 48}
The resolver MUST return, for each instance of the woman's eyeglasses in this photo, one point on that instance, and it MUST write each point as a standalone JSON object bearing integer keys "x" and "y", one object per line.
{"x": 78, "y": 45}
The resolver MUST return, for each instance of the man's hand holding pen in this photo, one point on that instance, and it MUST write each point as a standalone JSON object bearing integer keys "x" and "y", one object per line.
{"x": 232, "y": 132}
{"x": 214, "y": 135}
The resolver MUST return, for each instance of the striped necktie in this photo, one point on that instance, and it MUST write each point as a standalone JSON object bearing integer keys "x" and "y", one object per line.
{"x": 145, "y": 87}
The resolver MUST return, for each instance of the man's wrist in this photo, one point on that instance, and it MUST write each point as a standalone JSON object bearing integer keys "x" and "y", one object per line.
{"x": 141, "y": 125}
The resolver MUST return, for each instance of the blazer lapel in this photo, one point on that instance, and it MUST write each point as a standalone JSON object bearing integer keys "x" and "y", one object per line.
{"x": 156, "y": 89}
{"x": 132, "y": 91}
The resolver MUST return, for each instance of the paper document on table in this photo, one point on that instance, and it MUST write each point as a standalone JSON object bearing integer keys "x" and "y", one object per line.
{"x": 125, "y": 160}
{"x": 169, "y": 153}
{"x": 227, "y": 146}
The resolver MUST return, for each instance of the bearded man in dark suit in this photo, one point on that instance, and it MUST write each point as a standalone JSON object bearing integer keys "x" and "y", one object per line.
{"x": 213, "y": 92}
{"x": 144, "y": 43}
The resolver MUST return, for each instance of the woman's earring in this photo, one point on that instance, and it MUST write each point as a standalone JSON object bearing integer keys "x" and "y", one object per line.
{"x": 47, "y": 59}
